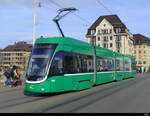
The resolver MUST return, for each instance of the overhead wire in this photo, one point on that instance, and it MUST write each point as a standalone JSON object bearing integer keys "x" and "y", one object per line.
{"x": 60, "y": 6}
{"x": 79, "y": 17}
{"x": 100, "y": 3}
{"x": 86, "y": 23}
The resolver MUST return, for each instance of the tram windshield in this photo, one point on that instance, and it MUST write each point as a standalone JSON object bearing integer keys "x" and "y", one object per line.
{"x": 40, "y": 57}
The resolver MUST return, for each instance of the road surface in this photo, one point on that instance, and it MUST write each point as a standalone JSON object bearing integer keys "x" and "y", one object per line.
{"x": 127, "y": 96}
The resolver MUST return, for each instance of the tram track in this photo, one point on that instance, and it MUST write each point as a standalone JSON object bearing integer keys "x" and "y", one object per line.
{"x": 31, "y": 98}
{"x": 70, "y": 102}
{"x": 12, "y": 98}
{"x": 11, "y": 90}
{"x": 27, "y": 100}
{"x": 100, "y": 97}
{"x": 101, "y": 94}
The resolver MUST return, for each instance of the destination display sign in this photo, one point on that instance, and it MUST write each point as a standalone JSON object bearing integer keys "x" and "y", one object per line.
{"x": 45, "y": 46}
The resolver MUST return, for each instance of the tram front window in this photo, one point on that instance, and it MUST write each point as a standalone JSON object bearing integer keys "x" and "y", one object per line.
{"x": 40, "y": 57}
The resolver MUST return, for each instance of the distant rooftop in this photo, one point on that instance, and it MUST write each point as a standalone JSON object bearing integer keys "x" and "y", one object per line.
{"x": 139, "y": 39}
{"x": 113, "y": 19}
{"x": 19, "y": 46}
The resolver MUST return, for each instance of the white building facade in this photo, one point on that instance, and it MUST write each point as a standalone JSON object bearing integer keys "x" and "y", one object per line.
{"x": 109, "y": 32}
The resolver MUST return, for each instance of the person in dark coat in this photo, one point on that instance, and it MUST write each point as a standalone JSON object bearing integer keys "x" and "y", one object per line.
{"x": 8, "y": 76}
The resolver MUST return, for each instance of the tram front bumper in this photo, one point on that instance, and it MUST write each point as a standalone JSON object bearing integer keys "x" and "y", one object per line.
{"x": 37, "y": 88}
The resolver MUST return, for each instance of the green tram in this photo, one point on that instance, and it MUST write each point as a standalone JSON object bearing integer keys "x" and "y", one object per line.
{"x": 60, "y": 64}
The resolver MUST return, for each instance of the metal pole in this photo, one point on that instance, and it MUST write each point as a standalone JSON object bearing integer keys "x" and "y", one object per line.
{"x": 95, "y": 66}
{"x": 34, "y": 22}
{"x": 94, "y": 60}
{"x": 124, "y": 44}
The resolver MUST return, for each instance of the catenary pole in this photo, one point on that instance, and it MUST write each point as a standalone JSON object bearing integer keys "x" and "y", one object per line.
{"x": 34, "y": 22}
{"x": 35, "y": 4}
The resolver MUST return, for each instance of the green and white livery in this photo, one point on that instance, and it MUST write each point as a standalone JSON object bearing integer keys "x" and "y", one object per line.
{"x": 59, "y": 64}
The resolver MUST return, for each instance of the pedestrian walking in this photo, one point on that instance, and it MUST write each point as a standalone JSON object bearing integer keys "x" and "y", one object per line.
{"x": 7, "y": 75}
{"x": 15, "y": 76}
{"x": 142, "y": 69}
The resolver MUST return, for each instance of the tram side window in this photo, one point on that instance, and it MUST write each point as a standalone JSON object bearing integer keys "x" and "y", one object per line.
{"x": 127, "y": 66}
{"x": 62, "y": 64}
{"x": 82, "y": 63}
{"x": 90, "y": 65}
{"x": 68, "y": 66}
{"x": 57, "y": 65}
{"x": 69, "y": 63}
{"x": 85, "y": 63}
{"x": 105, "y": 64}
{"x": 119, "y": 65}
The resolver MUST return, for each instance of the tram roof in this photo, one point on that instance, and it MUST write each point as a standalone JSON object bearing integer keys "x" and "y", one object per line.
{"x": 62, "y": 40}
{"x": 73, "y": 42}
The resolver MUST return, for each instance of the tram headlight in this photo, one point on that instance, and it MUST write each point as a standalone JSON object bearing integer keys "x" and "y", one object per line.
{"x": 42, "y": 88}
{"x": 30, "y": 87}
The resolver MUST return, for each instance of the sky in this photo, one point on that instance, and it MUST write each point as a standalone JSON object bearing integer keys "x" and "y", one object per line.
{"x": 16, "y": 18}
